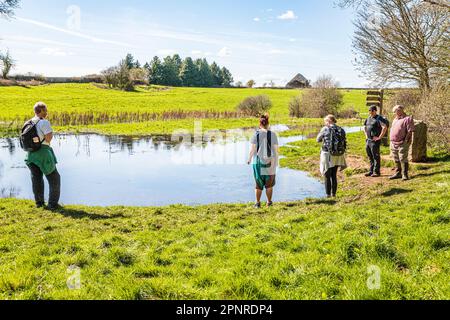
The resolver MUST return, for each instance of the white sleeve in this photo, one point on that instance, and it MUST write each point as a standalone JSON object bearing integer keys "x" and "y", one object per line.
{"x": 46, "y": 127}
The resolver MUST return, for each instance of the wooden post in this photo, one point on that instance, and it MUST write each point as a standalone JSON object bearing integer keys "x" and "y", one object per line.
{"x": 376, "y": 98}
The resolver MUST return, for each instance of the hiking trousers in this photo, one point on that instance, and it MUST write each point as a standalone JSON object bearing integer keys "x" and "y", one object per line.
{"x": 373, "y": 152}
{"x": 54, "y": 181}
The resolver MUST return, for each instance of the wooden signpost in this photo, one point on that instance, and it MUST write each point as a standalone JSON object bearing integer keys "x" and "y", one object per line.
{"x": 376, "y": 98}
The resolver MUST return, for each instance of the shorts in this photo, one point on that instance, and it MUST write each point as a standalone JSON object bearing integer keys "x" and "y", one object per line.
{"x": 267, "y": 182}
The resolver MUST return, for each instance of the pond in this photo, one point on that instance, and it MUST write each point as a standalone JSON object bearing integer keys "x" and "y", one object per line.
{"x": 152, "y": 171}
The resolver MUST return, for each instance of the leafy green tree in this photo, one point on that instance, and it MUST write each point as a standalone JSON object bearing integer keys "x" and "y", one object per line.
{"x": 216, "y": 74}
{"x": 227, "y": 78}
{"x": 251, "y": 83}
{"x": 178, "y": 62}
{"x": 205, "y": 75}
{"x": 7, "y": 7}
{"x": 188, "y": 73}
{"x": 129, "y": 61}
{"x": 156, "y": 72}
{"x": 170, "y": 75}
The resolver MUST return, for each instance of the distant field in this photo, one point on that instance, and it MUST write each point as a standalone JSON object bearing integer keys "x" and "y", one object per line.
{"x": 17, "y": 103}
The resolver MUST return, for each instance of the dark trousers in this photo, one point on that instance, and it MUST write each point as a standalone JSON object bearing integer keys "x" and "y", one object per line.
{"x": 373, "y": 152}
{"x": 54, "y": 181}
{"x": 331, "y": 182}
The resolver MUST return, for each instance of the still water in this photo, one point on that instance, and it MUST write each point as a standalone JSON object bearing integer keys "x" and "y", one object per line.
{"x": 103, "y": 171}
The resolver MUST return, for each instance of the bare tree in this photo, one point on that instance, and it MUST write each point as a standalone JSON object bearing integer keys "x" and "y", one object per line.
{"x": 7, "y": 63}
{"x": 358, "y": 3}
{"x": 7, "y": 7}
{"x": 407, "y": 41}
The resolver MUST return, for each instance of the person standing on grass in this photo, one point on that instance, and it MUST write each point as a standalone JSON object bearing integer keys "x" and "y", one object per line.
{"x": 264, "y": 156}
{"x": 375, "y": 128}
{"x": 332, "y": 156}
{"x": 401, "y": 138}
{"x": 43, "y": 161}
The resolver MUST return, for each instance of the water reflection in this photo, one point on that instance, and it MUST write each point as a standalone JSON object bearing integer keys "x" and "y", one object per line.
{"x": 123, "y": 170}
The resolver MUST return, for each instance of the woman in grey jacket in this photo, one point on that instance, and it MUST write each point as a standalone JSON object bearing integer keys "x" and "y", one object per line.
{"x": 330, "y": 164}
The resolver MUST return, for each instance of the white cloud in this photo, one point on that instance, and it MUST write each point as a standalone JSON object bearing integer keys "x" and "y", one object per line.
{"x": 256, "y": 19}
{"x": 72, "y": 33}
{"x": 288, "y": 15}
{"x": 55, "y": 52}
{"x": 276, "y": 51}
{"x": 199, "y": 53}
{"x": 225, "y": 52}
{"x": 166, "y": 52}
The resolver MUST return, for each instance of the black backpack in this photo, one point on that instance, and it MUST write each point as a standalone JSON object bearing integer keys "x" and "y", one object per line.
{"x": 29, "y": 138}
{"x": 336, "y": 142}
{"x": 269, "y": 143}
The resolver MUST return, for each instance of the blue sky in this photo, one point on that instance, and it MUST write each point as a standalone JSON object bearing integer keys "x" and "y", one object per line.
{"x": 262, "y": 40}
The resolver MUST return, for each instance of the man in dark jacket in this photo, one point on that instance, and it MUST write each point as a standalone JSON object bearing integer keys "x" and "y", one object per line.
{"x": 375, "y": 128}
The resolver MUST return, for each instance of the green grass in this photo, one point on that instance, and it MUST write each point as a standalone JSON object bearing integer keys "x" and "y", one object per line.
{"x": 17, "y": 103}
{"x": 313, "y": 249}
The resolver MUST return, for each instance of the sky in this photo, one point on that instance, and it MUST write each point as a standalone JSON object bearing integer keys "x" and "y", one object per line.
{"x": 256, "y": 39}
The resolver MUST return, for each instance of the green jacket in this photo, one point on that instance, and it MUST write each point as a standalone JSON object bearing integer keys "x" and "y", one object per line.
{"x": 44, "y": 158}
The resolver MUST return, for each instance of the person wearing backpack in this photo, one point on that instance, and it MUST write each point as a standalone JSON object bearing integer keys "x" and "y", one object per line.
{"x": 264, "y": 156}
{"x": 332, "y": 157}
{"x": 375, "y": 128}
{"x": 35, "y": 139}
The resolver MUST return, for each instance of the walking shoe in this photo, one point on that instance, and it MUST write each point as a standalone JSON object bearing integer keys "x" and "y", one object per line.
{"x": 396, "y": 176}
{"x": 398, "y": 171}
{"x": 270, "y": 204}
{"x": 54, "y": 208}
{"x": 368, "y": 174}
{"x": 376, "y": 175}
{"x": 40, "y": 205}
{"x": 257, "y": 205}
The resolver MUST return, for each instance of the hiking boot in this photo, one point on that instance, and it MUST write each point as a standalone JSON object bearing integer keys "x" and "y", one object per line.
{"x": 40, "y": 205}
{"x": 368, "y": 174}
{"x": 405, "y": 174}
{"x": 376, "y": 175}
{"x": 269, "y": 204}
{"x": 398, "y": 171}
{"x": 54, "y": 208}
{"x": 257, "y": 205}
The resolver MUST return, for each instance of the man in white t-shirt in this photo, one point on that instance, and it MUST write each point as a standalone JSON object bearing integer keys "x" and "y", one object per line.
{"x": 43, "y": 162}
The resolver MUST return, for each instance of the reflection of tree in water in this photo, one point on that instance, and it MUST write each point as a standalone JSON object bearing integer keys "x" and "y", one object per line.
{"x": 9, "y": 192}
{"x": 11, "y": 145}
{"x": 129, "y": 143}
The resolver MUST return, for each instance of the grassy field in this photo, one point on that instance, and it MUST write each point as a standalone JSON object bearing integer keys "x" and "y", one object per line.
{"x": 313, "y": 249}
{"x": 89, "y": 99}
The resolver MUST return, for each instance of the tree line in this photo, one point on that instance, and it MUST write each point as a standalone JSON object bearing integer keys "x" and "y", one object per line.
{"x": 170, "y": 71}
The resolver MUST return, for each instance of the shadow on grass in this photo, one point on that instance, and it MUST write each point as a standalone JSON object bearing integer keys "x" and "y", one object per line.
{"x": 329, "y": 202}
{"x": 424, "y": 175}
{"x": 395, "y": 191}
{"x": 81, "y": 214}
